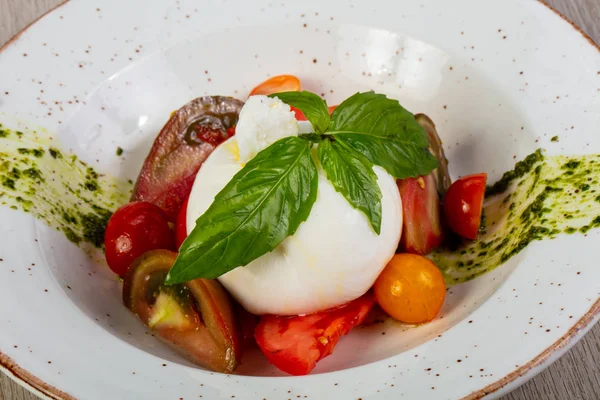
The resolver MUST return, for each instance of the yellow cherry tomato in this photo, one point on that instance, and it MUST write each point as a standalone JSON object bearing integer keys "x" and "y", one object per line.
{"x": 411, "y": 289}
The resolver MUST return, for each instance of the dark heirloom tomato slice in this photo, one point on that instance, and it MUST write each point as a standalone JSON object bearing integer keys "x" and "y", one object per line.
{"x": 197, "y": 318}
{"x": 442, "y": 175}
{"x": 181, "y": 147}
{"x": 296, "y": 344}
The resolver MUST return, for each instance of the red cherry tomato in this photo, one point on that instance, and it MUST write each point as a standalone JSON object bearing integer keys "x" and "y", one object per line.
{"x": 181, "y": 225}
{"x": 463, "y": 204}
{"x": 296, "y": 344}
{"x": 132, "y": 230}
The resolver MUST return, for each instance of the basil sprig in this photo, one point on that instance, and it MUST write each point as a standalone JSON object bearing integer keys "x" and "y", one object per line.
{"x": 366, "y": 129}
{"x": 274, "y": 193}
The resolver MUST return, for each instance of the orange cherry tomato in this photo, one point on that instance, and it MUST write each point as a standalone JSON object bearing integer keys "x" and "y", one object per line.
{"x": 277, "y": 84}
{"x": 411, "y": 289}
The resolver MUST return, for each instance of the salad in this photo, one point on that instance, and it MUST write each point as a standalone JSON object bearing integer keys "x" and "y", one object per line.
{"x": 283, "y": 222}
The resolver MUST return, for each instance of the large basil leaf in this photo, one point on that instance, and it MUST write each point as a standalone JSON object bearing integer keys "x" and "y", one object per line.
{"x": 385, "y": 133}
{"x": 262, "y": 205}
{"x": 312, "y": 106}
{"x": 351, "y": 174}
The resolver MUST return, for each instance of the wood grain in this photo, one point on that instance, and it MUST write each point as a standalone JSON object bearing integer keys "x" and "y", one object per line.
{"x": 575, "y": 376}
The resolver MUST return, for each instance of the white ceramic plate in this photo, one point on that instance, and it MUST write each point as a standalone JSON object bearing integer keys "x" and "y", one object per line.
{"x": 500, "y": 78}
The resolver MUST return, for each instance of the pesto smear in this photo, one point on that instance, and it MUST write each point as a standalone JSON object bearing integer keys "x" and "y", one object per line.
{"x": 540, "y": 199}
{"x": 57, "y": 188}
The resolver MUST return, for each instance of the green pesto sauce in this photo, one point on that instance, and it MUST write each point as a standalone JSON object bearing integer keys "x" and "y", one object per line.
{"x": 540, "y": 199}
{"x": 59, "y": 189}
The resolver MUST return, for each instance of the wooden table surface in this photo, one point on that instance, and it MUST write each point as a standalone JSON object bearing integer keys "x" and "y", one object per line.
{"x": 575, "y": 376}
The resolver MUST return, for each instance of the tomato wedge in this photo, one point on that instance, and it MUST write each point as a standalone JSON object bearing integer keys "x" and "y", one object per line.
{"x": 296, "y": 344}
{"x": 277, "y": 84}
{"x": 463, "y": 205}
{"x": 197, "y": 318}
{"x": 422, "y": 228}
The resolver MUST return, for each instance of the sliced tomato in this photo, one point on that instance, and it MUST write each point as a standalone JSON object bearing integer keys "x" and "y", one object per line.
{"x": 186, "y": 140}
{"x": 296, "y": 344}
{"x": 197, "y": 318}
{"x": 277, "y": 84}
{"x": 422, "y": 228}
{"x": 332, "y": 109}
{"x": 463, "y": 205}
{"x": 181, "y": 225}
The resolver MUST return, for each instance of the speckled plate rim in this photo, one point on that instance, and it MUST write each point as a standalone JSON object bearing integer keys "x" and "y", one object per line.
{"x": 502, "y": 386}
{"x": 29, "y": 381}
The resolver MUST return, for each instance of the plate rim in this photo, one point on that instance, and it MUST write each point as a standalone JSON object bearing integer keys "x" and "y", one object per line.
{"x": 515, "y": 378}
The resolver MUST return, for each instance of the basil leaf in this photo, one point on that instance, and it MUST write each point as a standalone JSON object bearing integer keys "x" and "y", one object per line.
{"x": 385, "y": 133}
{"x": 311, "y": 105}
{"x": 352, "y": 175}
{"x": 262, "y": 205}
{"x": 400, "y": 158}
